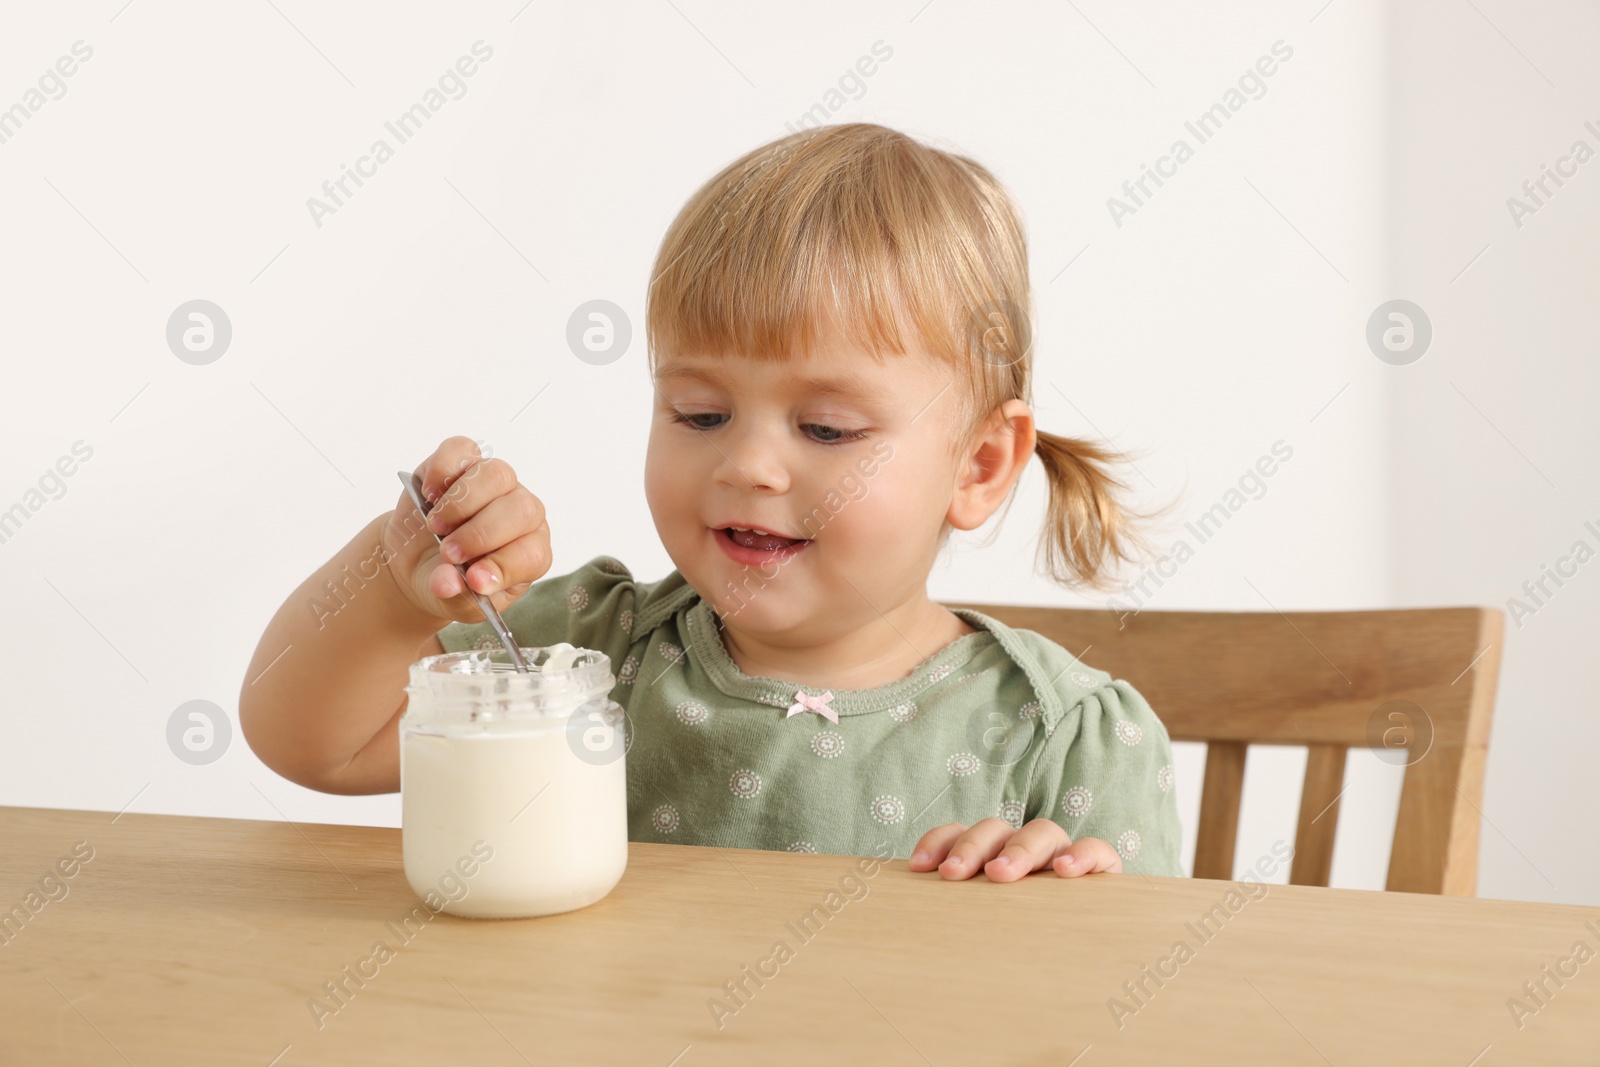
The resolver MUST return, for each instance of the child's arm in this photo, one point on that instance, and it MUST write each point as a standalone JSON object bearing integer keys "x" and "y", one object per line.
{"x": 322, "y": 698}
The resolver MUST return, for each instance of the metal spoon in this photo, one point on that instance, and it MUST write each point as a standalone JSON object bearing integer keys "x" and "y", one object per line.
{"x": 413, "y": 486}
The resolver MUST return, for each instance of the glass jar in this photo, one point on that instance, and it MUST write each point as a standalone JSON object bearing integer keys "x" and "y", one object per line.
{"x": 513, "y": 797}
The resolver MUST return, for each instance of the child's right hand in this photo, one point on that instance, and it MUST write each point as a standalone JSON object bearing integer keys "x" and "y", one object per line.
{"x": 497, "y": 525}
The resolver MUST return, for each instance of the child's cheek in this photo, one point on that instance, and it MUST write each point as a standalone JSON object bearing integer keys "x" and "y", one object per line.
{"x": 853, "y": 487}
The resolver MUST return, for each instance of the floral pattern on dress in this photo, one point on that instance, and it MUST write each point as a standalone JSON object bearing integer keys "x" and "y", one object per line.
{"x": 1013, "y": 812}
{"x": 903, "y": 712}
{"x": 744, "y": 784}
{"x": 692, "y": 713}
{"x": 828, "y": 743}
{"x": 888, "y": 809}
{"x": 1128, "y": 733}
{"x": 628, "y": 671}
{"x": 625, "y": 620}
{"x": 802, "y": 846}
{"x": 664, "y": 819}
{"x": 962, "y": 763}
{"x": 1128, "y": 844}
{"x": 1164, "y": 778}
{"x": 1076, "y": 801}
{"x": 1030, "y": 710}
{"x": 577, "y": 598}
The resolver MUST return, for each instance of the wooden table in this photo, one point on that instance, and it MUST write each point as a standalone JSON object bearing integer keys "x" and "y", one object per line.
{"x": 205, "y": 941}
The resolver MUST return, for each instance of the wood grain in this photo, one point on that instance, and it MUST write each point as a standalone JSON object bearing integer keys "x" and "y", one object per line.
{"x": 1218, "y": 832}
{"x": 1319, "y": 814}
{"x": 201, "y": 941}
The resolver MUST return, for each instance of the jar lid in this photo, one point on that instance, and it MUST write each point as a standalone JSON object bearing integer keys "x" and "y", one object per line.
{"x": 483, "y": 685}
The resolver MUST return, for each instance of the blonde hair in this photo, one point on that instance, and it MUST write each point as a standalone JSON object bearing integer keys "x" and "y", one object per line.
{"x": 858, "y": 224}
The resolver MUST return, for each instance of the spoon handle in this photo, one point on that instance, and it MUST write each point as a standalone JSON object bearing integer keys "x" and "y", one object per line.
{"x": 413, "y": 486}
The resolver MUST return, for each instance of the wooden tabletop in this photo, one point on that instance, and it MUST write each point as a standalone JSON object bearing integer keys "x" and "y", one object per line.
{"x": 209, "y": 941}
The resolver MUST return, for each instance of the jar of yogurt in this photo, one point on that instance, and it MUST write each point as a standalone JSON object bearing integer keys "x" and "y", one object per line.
{"x": 525, "y": 769}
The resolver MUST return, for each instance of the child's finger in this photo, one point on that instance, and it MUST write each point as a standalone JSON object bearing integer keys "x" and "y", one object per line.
{"x": 1034, "y": 846}
{"x": 444, "y": 582}
{"x": 453, "y": 458}
{"x": 480, "y": 483}
{"x": 521, "y": 562}
{"x": 1088, "y": 855}
{"x": 930, "y": 851}
{"x": 975, "y": 847}
{"x": 504, "y": 575}
{"x": 500, "y": 521}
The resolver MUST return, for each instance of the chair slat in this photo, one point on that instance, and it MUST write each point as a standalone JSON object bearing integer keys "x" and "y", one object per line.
{"x": 1319, "y": 815}
{"x": 1219, "y": 809}
{"x": 1435, "y": 807}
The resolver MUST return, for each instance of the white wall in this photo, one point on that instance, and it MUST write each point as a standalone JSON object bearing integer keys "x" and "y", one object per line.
{"x": 1495, "y": 434}
{"x": 1222, "y": 316}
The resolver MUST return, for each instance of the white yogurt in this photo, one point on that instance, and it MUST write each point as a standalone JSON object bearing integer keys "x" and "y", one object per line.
{"x": 531, "y": 764}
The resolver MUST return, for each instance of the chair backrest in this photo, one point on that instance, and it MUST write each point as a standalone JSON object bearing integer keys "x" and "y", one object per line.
{"x": 1417, "y": 683}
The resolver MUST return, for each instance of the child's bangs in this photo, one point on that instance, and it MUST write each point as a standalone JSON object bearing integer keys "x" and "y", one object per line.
{"x": 853, "y": 229}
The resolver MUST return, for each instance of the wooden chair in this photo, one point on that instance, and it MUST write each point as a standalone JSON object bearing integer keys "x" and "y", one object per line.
{"x": 1319, "y": 680}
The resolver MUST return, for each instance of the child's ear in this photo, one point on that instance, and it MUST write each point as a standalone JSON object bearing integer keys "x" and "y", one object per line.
{"x": 988, "y": 470}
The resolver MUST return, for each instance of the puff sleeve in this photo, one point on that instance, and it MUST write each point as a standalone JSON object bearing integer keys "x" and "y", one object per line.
{"x": 592, "y": 607}
{"x": 1106, "y": 771}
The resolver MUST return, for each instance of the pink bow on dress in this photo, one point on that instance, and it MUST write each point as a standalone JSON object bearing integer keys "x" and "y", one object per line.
{"x": 806, "y": 702}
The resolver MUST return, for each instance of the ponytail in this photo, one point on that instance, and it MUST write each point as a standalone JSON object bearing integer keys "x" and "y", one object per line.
{"x": 1086, "y": 526}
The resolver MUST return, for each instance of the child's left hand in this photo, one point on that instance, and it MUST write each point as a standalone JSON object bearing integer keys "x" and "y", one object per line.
{"x": 1006, "y": 854}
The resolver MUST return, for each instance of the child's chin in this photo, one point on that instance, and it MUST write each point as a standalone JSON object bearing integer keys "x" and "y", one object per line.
{"x": 758, "y": 613}
{"x": 746, "y": 615}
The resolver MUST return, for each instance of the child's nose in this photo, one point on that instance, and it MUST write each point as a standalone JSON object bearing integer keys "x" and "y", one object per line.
{"x": 752, "y": 460}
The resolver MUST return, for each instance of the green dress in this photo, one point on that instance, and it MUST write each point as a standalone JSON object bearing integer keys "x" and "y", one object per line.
{"x": 1000, "y": 723}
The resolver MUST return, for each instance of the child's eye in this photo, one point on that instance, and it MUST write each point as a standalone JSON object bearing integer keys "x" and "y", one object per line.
{"x": 841, "y": 435}
{"x": 844, "y": 435}
{"x": 678, "y": 416}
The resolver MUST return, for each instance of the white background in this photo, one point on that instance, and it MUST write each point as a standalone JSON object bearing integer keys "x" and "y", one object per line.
{"x": 1226, "y": 314}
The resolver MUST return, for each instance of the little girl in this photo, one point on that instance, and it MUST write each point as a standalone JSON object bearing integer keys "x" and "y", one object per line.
{"x": 840, "y": 347}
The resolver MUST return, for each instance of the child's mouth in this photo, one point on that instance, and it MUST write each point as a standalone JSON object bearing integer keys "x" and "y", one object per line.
{"x": 747, "y": 546}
